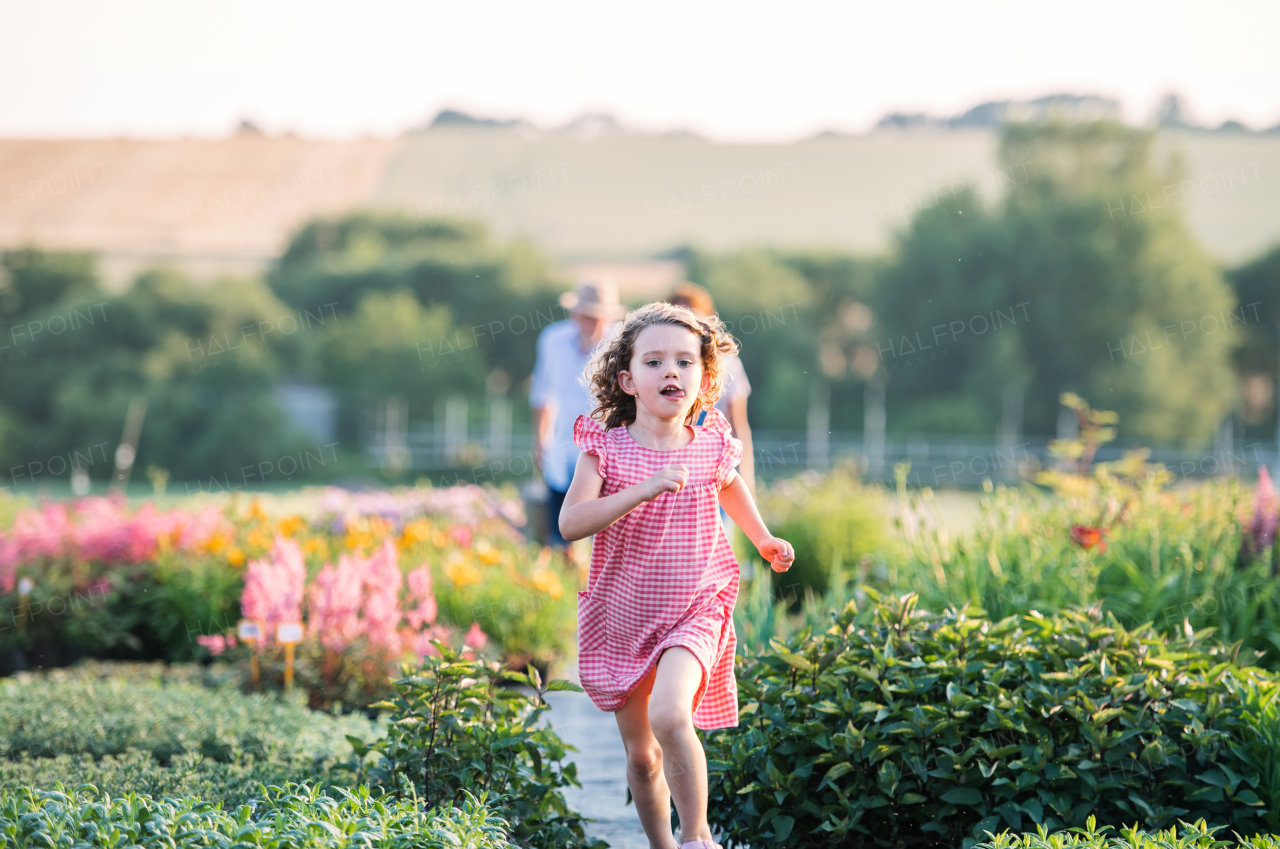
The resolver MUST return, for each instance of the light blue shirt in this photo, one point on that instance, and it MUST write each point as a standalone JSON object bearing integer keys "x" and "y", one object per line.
{"x": 560, "y": 386}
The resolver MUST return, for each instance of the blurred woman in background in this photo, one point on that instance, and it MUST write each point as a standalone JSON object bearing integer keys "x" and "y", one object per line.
{"x": 733, "y": 403}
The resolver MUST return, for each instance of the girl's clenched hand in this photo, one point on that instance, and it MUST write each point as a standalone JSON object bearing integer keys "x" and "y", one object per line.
{"x": 778, "y": 552}
{"x": 666, "y": 479}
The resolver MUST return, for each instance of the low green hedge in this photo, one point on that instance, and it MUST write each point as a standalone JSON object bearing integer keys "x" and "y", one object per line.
{"x": 900, "y": 727}
{"x": 74, "y": 713}
{"x": 163, "y": 731}
{"x": 290, "y": 817}
{"x": 1197, "y": 835}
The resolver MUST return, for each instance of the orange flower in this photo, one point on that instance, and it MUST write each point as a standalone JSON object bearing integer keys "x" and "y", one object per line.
{"x": 290, "y": 525}
{"x": 1087, "y": 537}
{"x": 235, "y": 557}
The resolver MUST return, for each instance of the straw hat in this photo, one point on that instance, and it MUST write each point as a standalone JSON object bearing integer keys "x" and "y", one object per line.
{"x": 597, "y": 297}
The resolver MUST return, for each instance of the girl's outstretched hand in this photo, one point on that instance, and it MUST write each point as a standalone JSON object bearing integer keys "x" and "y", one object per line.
{"x": 778, "y": 552}
{"x": 666, "y": 479}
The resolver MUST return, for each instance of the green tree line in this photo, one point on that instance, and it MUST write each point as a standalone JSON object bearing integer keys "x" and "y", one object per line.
{"x": 1039, "y": 291}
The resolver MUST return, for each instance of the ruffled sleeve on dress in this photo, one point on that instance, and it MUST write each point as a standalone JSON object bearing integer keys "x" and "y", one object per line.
{"x": 731, "y": 454}
{"x": 590, "y": 436}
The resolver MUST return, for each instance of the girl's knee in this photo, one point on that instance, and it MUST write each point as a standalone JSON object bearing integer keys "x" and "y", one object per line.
{"x": 644, "y": 760}
{"x": 667, "y": 719}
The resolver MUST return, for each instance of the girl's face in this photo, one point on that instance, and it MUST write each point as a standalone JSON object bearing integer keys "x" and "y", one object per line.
{"x": 666, "y": 371}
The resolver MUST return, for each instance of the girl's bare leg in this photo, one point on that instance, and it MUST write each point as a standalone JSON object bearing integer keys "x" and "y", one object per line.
{"x": 683, "y": 761}
{"x": 645, "y": 776}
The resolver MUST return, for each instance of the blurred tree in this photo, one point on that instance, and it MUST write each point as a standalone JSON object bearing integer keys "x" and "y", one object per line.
{"x": 31, "y": 280}
{"x": 798, "y": 317}
{"x": 202, "y": 357}
{"x": 499, "y": 297}
{"x": 1084, "y": 278}
{"x": 390, "y": 345}
{"x": 1257, "y": 288}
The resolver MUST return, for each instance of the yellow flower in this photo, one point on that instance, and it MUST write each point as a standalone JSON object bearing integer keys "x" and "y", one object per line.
{"x": 415, "y": 532}
{"x": 235, "y": 557}
{"x": 378, "y": 526}
{"x": 488, "y": 554}
{"x": 462, "y": 574}
{"x": 256, "y": 511}
{"x": 290, "y": 525}
{"x": 257, "y": 539}
{"x": 548, "y": 582}
{"x": 359, "y": 540}
{"x": 439, "y": 540}
{"x": 317, "y": 546}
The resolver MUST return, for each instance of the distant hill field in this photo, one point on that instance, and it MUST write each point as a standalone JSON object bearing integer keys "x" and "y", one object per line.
{"x": 213, "y": 206}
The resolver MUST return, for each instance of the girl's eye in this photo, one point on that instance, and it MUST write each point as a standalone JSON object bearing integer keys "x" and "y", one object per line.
{"x": 686, "y": 362}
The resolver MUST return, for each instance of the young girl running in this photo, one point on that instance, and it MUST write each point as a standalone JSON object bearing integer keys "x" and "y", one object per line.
{"x": 655, "y": 625}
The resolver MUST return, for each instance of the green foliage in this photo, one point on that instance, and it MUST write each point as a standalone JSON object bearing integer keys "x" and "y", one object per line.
{"x": 210, "y": 410}
{"x": 799, "y": 318}
{"x": 424, "y": 308}
{"x": 167, "y": 731}
{"x": 1170, "y": 558}
{"x": 74, "y": 712}
{"x": 901, "y": 727}
{"x": 456, "y": 729}
{"x": 1197, "y": 835}
{"x": 832, "y": 520}
{"x": 1054, "y": 288}
{"x": 1255, "y": 285}
{"x": 292, "y": 816}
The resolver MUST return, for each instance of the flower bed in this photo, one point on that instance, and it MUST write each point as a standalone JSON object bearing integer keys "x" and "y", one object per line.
{"x": 110, "y": 582}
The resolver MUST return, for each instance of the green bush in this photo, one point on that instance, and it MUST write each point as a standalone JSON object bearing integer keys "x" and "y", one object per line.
{"x": 900, "y": 727}
{"x": 281, "y": 818}
{"x": 1197, "y": 835}
{"x": 68, "y": 712}
{"x": 832, "y": 520}
{"x": 455, "y": 730}
{"x": 165, "y": 731}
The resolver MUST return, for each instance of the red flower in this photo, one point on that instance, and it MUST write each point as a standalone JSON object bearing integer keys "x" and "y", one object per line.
{"x": 1087, "y": 537}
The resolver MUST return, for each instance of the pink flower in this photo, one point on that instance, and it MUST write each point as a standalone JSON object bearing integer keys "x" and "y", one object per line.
{"x": 334, "y": 600}
{"x": 475, "y": 638}
{"x": 421, "y": 641}
{"x": 216, "y": 643}
{"x": 1266, "y": 514}
{"x": 462, "y": 534}
{"x": 425, "y": 609}
{"x": 273, "y": 588}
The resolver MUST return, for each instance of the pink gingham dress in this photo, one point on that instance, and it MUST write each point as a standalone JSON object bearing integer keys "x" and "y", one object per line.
{"x": 663, "y": 575}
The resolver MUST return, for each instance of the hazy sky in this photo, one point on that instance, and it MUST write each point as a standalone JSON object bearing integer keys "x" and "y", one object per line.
{"x": 733, "y": 71}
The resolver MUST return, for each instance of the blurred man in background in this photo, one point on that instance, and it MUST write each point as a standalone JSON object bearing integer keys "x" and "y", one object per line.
{"x": 558, "y": 391}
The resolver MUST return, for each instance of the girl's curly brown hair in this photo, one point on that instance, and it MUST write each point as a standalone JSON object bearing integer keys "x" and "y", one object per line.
{"x": 615, "y": 408}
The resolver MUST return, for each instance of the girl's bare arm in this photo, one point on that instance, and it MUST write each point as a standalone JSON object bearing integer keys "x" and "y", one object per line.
{"x": 736, "y": 500}
{"x": 586, "y": 513}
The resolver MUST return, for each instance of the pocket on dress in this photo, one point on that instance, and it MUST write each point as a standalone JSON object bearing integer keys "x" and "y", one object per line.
{"x": 591, "y": 622}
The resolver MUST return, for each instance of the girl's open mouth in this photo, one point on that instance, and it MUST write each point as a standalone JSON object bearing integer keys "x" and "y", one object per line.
{"x": 674, "y": 392}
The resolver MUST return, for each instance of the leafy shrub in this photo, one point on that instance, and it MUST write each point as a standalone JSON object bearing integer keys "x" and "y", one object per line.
{"x": 1197, "y": 835}
{"x": 281, "y": 818}
{"x": 832, "y": 520}
{"x": 455, "y": 730}
{"x": 897, "y": 726}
